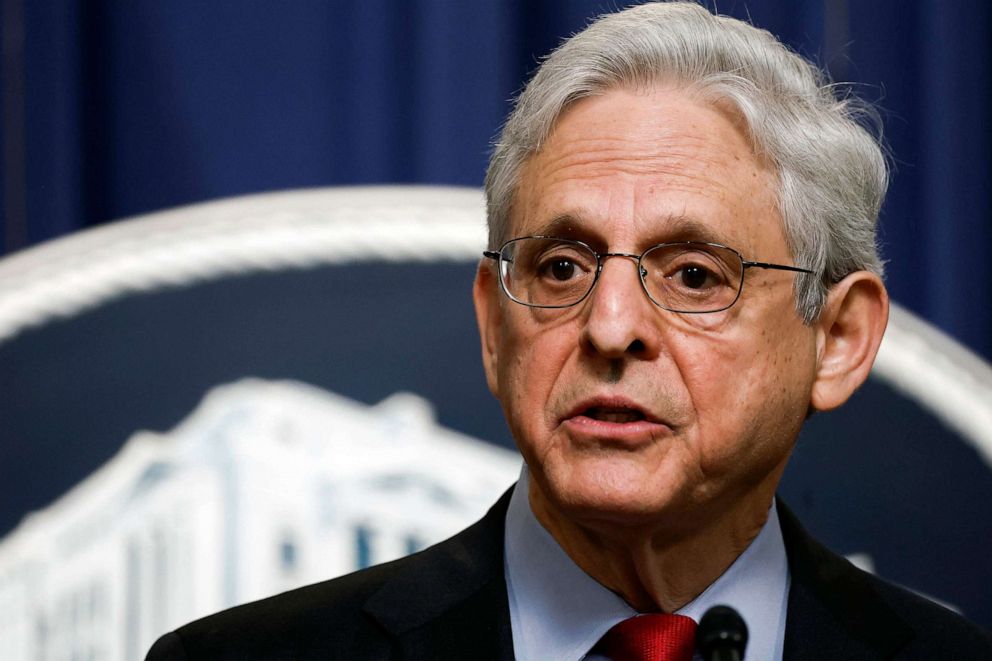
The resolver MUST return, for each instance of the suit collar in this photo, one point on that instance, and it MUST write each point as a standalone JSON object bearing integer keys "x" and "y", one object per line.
{"x": 834, "y": 612}
{"x": 450, "y": 600}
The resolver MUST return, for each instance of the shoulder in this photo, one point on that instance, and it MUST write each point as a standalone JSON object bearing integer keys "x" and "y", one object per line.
{"x": 938, "y": 632}
{"x": 352, "y": 616}
{"x": 316, "y": 619}
{"x": 835, "y": 606}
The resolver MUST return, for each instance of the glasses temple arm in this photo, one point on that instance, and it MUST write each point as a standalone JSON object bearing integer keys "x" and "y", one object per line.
{"x": 777, "y": 267}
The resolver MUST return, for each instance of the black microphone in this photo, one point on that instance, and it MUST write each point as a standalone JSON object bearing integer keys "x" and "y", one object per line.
{"x": 722, "y": 635}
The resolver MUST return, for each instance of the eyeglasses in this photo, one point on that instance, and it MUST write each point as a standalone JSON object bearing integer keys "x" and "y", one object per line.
{"x": 686, "y": 276}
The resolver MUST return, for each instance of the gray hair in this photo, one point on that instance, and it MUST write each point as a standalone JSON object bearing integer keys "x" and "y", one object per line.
{"x": 832, "y": 170}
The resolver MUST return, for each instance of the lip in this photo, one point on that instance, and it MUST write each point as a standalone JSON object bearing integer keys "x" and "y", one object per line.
{"x": 650, "y": 427}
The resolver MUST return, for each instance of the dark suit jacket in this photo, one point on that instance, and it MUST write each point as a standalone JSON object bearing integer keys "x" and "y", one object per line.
{"x": 449, "y": 602}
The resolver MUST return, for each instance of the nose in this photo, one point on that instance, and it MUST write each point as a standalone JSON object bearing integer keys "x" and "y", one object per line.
{"x": 620, "y": 319}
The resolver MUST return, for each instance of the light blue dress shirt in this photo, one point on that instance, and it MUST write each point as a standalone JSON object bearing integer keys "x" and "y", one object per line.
{"x": 559, "y": 612}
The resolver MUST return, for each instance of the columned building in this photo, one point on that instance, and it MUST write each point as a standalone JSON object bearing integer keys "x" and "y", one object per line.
{"x": 264, "y": 487}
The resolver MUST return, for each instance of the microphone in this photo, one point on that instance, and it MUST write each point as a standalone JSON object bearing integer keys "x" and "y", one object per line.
{"x": 721, "y": 635}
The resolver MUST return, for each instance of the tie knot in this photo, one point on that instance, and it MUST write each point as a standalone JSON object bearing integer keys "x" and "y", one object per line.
{"x": 652, "y": 637}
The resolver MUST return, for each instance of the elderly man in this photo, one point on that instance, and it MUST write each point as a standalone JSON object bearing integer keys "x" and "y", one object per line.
{"x": 682, "y": 268}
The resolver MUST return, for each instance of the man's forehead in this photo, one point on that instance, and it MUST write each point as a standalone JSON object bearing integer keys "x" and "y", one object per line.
{"x": 577, "y": 219}
{"x": 644, "y": 168}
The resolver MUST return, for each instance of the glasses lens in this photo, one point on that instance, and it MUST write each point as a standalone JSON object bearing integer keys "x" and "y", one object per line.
{"x": 547, "y": 272}
{"x": 692, "y": 277}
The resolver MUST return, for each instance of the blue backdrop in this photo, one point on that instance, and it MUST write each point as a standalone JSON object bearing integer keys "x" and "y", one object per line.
{"x": 116, "y": 108}
{"x": 111, "y": 109}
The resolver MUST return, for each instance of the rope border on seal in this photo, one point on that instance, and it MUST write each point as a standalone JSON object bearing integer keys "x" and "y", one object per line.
{"x": 268, "y": 232}
{"x": 315, "y": 227}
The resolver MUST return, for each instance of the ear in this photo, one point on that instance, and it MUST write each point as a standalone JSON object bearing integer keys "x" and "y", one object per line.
{"x": 849, "y": 332}
{"x": 488, "y": 314}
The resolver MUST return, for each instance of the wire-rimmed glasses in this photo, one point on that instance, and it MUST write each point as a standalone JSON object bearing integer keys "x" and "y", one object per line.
{"x": 685, "y": 276}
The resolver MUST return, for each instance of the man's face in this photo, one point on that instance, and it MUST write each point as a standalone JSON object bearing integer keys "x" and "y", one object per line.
{"x": 627, "y": 413}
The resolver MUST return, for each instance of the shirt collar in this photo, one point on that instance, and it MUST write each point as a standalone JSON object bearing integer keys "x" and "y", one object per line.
{"x": 557, "y": 611}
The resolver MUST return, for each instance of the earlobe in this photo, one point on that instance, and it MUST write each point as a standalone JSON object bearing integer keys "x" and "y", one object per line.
{"x": 486, "y": 296}
{"x": 850, "y": 330}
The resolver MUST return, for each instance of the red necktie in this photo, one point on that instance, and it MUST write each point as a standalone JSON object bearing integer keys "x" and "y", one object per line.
{"x": 653, "y": 637}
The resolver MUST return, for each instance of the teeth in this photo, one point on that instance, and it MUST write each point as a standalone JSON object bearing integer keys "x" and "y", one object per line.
{"x": 615, "y": 415}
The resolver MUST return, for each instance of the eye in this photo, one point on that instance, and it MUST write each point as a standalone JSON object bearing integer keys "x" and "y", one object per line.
{"x": 696, "y": 276}
{"x": 693, "y": 269}
{"x": 692, "y": 276}
{"x": 563, "y": 263}
{"x": 560, "y": 269}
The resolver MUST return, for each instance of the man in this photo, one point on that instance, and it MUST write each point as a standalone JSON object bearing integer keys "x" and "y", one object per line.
{"x": 682, "y": 268}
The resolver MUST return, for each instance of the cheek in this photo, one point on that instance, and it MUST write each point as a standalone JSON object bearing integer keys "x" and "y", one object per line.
{"x": 715, "y": 385}
{"x": 532, "y": 358}
{"x": 749, "y": 394}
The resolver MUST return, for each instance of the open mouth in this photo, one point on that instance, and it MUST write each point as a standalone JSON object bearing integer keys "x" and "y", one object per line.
{"x": 617, "y": 415}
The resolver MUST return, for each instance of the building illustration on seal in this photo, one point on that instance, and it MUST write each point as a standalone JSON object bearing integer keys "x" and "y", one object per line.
{"x": 266, "y": 486}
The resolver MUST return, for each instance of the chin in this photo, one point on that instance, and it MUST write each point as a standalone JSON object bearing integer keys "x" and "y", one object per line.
{"x": 609, "y": 493}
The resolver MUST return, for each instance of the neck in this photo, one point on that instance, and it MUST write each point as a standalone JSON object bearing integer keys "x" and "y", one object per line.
{"x": 664, "y": 565}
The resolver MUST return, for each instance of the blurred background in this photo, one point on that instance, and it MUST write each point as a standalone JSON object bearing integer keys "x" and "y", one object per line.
{"x": 112, "y": 109}
{"x": 117, "y": 109}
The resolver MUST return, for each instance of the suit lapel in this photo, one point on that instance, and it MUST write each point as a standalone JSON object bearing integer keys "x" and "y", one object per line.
{"x": 450, "y": 601}
{"x": 834, "y": 612}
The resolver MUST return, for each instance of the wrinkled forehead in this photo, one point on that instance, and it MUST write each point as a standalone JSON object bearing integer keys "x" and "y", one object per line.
{"x": 648, "y": 165}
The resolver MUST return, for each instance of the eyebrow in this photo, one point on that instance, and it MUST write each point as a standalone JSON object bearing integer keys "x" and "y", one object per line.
{"x": 565, "y": 225}
{"x": 686, "y": 228}
{"x": 670, "y": 228}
